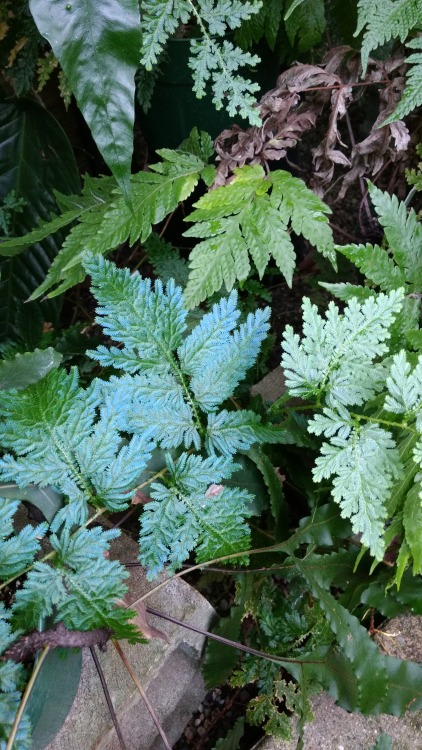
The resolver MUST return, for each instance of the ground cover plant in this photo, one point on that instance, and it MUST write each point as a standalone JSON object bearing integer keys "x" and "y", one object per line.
{"x": 154, "y": 403}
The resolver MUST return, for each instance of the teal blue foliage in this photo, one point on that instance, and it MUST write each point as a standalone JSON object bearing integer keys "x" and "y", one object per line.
{"x": 16, "y": 550}
{"x": 171, "y": 387}
{"x": 11, "y": 678}
{"x": 81, "y": 588}
{"x": 187, "y": 514}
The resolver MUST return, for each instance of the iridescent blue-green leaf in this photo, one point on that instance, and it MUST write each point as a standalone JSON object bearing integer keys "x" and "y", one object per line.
{"x": 98, "y": 47}
{"x": 36, "y": 160}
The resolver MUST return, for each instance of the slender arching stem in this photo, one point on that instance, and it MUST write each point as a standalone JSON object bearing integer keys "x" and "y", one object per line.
{"x": 25, "y": 697}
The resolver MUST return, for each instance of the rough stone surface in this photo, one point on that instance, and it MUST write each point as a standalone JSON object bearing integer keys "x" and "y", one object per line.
{"x": 337, "y": 729}
{"x": 168, "y": 672}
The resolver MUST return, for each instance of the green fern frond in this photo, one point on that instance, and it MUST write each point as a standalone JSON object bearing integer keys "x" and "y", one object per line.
{"x": 385, "y": 20}
{"x": 16, "y": 550}
{"x": 412, "y": 96}
{"x": 252, "y": 215}
{"x": 108, "y": 221}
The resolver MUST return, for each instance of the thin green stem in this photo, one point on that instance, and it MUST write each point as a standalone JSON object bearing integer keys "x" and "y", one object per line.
{"x": 389, "y": 423}
{"x": 25, "y": 697}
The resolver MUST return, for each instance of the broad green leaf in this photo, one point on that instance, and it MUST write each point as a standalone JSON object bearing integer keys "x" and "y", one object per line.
{"x": 273, "y": 482}
{"x": 25, "y": 369}
{"x": 35, "y": 160}
{"x": 47, "y": 500}
{"x": 53, "y": 694}
{"x": 412, "y": 521}
{"x": 325, "y": 527}
{"x": 98, "y": 47}
{"x": 233, "y": 737}
{"x": 351, "y": 635}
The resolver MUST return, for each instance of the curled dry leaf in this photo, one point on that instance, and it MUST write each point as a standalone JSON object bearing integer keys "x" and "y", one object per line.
{"x": 214, "y": 490}
{"x": 140, "y": 498}
{"x": 140, "y": 620}
{"x": 304, "y": 93}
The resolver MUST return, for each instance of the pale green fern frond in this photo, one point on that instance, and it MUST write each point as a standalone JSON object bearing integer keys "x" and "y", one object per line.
{"x": 43, "y": 425}
{"x": 218, "y": 64}
{"x": 80, "y": 590}
{"x": 336, "y": 358}
{"x": 252, "y": 215}
{"x": 404, "y": 386}
{"x": 160, "y": 19}
{"x": 365, "y": 464}
{"x": 107, "y": 221}
{"x": 382, "y": 20}
{"x": 211, "y": 60}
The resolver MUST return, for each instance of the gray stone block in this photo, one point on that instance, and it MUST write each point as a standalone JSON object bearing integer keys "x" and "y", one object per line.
{"x": 169, "y": 672}
{"x": 337, "y": 729}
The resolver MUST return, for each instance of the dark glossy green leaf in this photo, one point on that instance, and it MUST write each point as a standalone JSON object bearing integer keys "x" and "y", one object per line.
{"x": 233, "y": 737}
{"x": 220, "y": 660}
{"x": 367, "y": 663}
{"x": 30, "y": 367}
{"x": 35, "y": 159}
{"x": 47, "y": 500}
{"x": 273, "y": 482}
{"x": 325, "y": 527}
{"x": 53, "y": 694}
{"x": 412, "y": 521}
{"x": 98, "y": 47}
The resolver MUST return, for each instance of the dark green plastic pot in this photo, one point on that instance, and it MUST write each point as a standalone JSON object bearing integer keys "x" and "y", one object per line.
{"x": 175, "y": 109}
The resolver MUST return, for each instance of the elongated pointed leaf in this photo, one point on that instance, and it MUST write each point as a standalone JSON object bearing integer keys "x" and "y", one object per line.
{"x": 35, "y": 159}
{"x": 53, "y": 694}
{"x": 98, "y": 47}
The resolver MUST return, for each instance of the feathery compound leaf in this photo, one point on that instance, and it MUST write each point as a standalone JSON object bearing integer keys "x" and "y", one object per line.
{"x": 109, "y": 221}
{"x": 403, "y": 233}
{"x": 365, "y": 464}
{"x": 224, "y": 371}
{"x": 150, "y": 322}
{"x": 81, "y": 591}
{"x": 175, "y": 522}
{"x": 376, "y": 264}
{"x": 404, "y": 387}
{"x": 219, "y": 63}
{"x": 336, "y": 357}
{"x": 211, "y": 60}
{"x": 252, "y": 215}
{"x": 385, "y": 20}
{"x": 43, "y": 425}
{"x": 412, "y": 96}
{"x": 229, "y": 432}
{"x": 16, "y": 550}
{"x": 11, "y": 677}
{"x": 186, "y": 515}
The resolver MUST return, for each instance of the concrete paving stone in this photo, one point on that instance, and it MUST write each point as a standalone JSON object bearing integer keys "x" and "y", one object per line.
{"x": 168, "y": 671}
